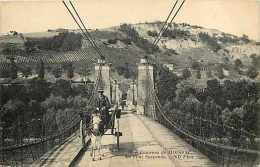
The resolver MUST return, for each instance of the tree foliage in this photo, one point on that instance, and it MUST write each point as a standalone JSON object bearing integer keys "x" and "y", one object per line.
{"x": 252, "y": 72}
{"x": 152, "y": 33}
{"x": 210, "y": 41}
{"x": 176, "y": 33}
{"x": 70, "y": 70}
{"x": 65, "y": 41}
{"x": 166, "y": 85}
{"x": 27, "y": 108}
{"x": 186, "y": 73}
{"x": 134, "y": 36}
{"x": 41, "y": 71}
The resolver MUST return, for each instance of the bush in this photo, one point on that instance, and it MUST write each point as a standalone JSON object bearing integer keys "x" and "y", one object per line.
{"x": 186, "y": 73}
{"x": 255, "y": 61}
{"x": 112, "y": 41}
{"x": 65, "y": 41}
{"x": 210, "y": 41}
{"x": 126, "y": 71}
{"x": 228, "y": 39}
{"x": 126, "y": 41}
{"x": 152, "y": 33}
{"x": 176, "y": 33}
{"x": 134, "y": 36}
{"x": 252, "y": 72}
{"x": 245, "y": 38}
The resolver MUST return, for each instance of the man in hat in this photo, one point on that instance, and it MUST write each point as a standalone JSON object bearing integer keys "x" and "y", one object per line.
{"x": 103, "y": 106}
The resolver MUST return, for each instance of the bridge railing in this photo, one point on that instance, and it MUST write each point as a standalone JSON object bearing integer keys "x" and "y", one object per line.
{"x": 207, "y": 135}
{"x": 23, "y": 154}
{"x": 222, "y": 154}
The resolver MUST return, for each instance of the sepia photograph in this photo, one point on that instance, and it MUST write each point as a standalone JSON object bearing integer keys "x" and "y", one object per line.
{"x": 129, "y": 83}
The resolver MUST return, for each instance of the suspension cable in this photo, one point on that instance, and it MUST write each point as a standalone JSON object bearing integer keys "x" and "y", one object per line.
{"x": 83, "y": 32}
{"x": 166, "y": 21}
{"x": 90, "y": 37}
{"x": 188, "y": 133}
{"x": 167, "y": 25}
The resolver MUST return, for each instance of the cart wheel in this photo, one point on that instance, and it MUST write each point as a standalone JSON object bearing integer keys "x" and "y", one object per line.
{"x": 112, "y": 127}
{"x": 113, "y": 124}
{"x": 82, "y": 133}
{"x": 117, "y": 134}
{"x": 117, "y": 140}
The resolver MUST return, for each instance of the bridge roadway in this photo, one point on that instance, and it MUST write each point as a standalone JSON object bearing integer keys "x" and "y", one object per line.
{"x": 145, "y": 143}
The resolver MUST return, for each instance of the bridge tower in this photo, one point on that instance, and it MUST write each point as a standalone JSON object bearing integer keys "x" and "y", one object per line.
{"x": 103, "y": 69}
{"x": 116, "y": 92}
{"x": 132, "y": 95}
{"x": 145, "y": 85}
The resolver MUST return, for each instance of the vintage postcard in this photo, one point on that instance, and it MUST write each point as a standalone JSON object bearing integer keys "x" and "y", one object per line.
{"x": 130, "y": 83}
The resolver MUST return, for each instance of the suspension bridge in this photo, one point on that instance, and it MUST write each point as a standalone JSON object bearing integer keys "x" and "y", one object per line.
{"x": 151, "y": 136}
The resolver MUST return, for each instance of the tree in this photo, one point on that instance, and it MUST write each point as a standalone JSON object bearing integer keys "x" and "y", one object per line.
{"x": 220, "y": 73}
{"x": 85, "y": 71}
{"x": 11, "y": 50}
{"x": 215, "y": 91}
{"x": 26, "y": 71}
{"x": 14, "y": 69}
{"x": 252, "y": 72}
{"x": 236, "y": 93}
{"x": 238, "y": 64}
{"x": 182, "y": 92}
{"x": 134, "y": 36}
{"x": 38, "y": 90}
{"x": 70, "y": 71}
{"x": 192, "y": 108}
{"x": 71, "y": 41}
{"x": 62, "y": 88}
{"x": 195, "y": 65}
{"x": 236, "y": 121}
{"x": 212, "y": 42}
{"x": 209, "y": 73}
{"x": 125, "y": 70}
{"x": 245, "y": 38}
{"x": 123, "y": 87}
{"x": 14, "y": 116}
{"x": 255, "y": 61}
{"x": 57, "y": 71}
{"x": 52, "y": 106}
{"x": 198, "y": 74}
{"x": 64, "y": 41}
{"x": 166, "y": 85}
{"x": 212, "y": 109}
{"x": 251, "y": 119}
{"x": 41, "y": 71}
{"x": 186, "y": 73}
{"x": 152, "y": 33}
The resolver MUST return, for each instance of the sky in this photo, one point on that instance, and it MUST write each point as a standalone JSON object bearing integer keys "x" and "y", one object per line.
{"x": 237, "y": 17}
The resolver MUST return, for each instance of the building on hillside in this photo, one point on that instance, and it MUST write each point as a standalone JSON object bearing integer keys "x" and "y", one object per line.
{"x": 169, "y": 66}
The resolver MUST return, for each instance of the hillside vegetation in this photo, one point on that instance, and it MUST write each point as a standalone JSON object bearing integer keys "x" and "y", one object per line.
{"x": 123, "y": 46}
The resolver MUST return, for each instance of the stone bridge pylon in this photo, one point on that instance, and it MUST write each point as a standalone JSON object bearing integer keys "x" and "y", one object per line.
{"x": 102, "y": 70}
{"x": 110, "y": 86}
{"x": 145, "y": 87}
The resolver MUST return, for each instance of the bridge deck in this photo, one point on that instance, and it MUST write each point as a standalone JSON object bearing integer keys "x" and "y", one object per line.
{"x": 153, "y": 144}
{"x": 60, "y": 156}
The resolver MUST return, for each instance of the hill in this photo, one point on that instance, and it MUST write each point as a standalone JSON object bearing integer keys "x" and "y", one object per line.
{"x": 123, "y": 46}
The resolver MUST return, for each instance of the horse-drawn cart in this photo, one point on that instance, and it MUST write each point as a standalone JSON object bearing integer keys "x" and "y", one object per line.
{"x": 110, "y": 128}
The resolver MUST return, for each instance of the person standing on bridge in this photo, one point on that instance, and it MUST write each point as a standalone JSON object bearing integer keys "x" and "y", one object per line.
{"x": 103, "y": 106}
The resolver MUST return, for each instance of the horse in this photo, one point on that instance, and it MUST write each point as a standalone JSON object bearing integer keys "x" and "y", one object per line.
{"x": 97, "y": 133}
